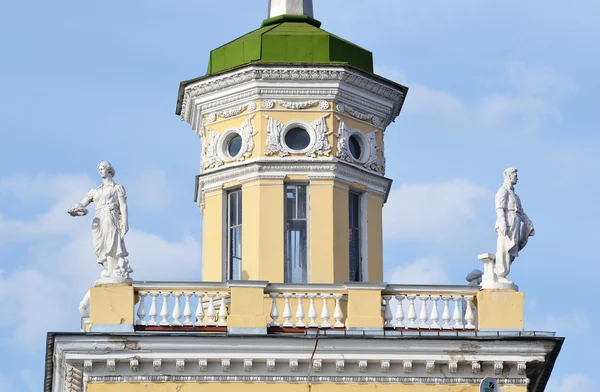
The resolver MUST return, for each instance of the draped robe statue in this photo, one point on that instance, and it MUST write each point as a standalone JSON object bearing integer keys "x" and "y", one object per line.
{"x": 109, "y": 226}
{"x": 512, "y": 225}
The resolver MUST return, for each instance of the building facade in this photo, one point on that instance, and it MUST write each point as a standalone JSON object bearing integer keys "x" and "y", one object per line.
{"x": 292, "y": 187}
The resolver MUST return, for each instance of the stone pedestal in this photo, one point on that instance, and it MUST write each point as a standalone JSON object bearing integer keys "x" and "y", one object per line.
{"x": 489, "y": 279}
{"x": 500, "y": 309}
{"x": 112, "y": 308}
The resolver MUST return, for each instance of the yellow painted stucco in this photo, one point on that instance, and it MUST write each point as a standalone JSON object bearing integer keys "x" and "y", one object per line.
{"x": 262, "y": 230}
{"x": 213, "y": 236}
{"x": 112, "y": 304}
{"x": 364, "y": 309}
{"x": 329, "y": 246}
{"x": 375, "y": 237}
{"x": 265, "y": 387}
{"x": 246, "y": 309}
{"x": 499, "y": 309}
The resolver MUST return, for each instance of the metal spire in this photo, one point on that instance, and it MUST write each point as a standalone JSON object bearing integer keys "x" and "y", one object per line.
{"x": 290, "y": 7}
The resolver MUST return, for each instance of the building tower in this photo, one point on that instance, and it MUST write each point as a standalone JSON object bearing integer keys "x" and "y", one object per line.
{"x": 291, "y": 186}
{"x": 292, "y": 180}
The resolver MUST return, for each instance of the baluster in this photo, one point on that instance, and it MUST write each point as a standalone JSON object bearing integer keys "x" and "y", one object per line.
{"x": 446, "y": 313}
{"x": 187, "y": 310}
{"x": 337, "y": 313}
{"x": 177, "y": 310}
{"x": 222, "y": 310}
{"x": 423, "y": 315}
{"x": 300, "y": 312}
{"x": 287, "y": 311}
{"x": 387, "y": 314}
{"x": 399, "y": 311}
{"x": 164, "y": 311}
{"x": 211, "y": 313}
{"x": 457, "y": 317}
{"x": 412, "y": 312}
{"x": 200, "y": 310}
{"x": 325, "y": 313}
{"x": 141, "y": 313}
{"x": 312, "y": 311}
{"x": 153, "y": 310}
{"x": 469, "y": 315}
{"x": 274, "y": 311}
{"x": 435, "y": 316}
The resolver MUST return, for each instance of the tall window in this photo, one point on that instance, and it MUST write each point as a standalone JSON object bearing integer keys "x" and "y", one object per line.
{"x": 234, "y": 235}
{"x": 354, "y": 234}
{"x": 296, "y": 268}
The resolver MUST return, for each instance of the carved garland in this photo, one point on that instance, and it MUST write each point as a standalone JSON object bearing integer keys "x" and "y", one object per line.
{"x": 359, "y": 115}
{"x": 323, "y": 105}
{"x": 232, "y": 112}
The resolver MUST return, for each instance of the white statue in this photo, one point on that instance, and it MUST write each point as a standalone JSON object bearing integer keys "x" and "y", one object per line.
{"x": 514, "y": 229}
{"x": 109, "y": 226}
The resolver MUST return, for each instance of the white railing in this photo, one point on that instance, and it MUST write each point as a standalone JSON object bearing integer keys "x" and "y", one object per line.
{"x": 182, "y": 304}
{"x": 430, "y": 307}
{"x": 306, "y": 306}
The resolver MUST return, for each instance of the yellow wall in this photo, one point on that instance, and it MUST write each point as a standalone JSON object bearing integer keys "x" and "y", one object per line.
{"x": 112, "y": 304}
{"x": 262, "y": 230}
{"x": 212, "y": 237}
{"x": 375, "y": 237}
{"x": 498, "y": 309}
{"x": 264, "y": 387}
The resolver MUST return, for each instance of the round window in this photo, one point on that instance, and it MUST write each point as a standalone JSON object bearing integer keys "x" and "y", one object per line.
{"x": 354, "y": 146}
{"x": 297, "y": 139}
{"x": 234, "y": 145}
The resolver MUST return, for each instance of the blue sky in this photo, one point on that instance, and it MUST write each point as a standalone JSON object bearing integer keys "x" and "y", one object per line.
{"x": 492, "y": 85}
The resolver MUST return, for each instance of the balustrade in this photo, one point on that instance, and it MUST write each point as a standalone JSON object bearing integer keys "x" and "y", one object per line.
{"x": 458, "y": 309}
{"x": 202, "y": 307}
{"x": 288, "y": 308}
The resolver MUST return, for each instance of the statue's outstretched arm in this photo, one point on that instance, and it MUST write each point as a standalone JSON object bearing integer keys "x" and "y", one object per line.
{"x": 79, "y": 209}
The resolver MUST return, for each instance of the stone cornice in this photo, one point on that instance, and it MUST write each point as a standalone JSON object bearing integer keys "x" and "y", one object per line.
{"x": 349, "y": 85}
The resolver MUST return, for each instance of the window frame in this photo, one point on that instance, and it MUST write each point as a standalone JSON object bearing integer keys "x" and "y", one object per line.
{"x": 285, "y": 231}
{"x": 360, "y": 234}
{"x": 228, "y": 264}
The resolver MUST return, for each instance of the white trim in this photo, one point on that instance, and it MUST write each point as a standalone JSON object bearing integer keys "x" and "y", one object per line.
{"x": 302, "y": 125}
{"x": 223, "y": 146}
{"x": 364, "y": 145}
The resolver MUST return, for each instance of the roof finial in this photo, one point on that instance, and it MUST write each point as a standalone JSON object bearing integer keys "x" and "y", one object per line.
{"x": 290, "y": 7}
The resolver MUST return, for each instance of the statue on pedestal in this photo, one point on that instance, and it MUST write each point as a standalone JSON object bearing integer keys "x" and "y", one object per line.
{"x": 109, "y": 226}
{"x": 514, "y": 229}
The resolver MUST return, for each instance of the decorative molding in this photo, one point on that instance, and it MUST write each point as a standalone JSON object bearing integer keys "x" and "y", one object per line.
{"x": 359, "y": 115}
{"x": 74, "y": 379}
{"x": 247, "y": 365}
{"x": 293, "y": 365}
{"x": 498, "y": 367}
{"x": 87, "y": 366}
{"x": 317, "y": 365}
{"x": 270, "y": 365}
{"x": 407, "y": 366}
{"x": 430, "y": 366}
{"x": 274, "y": 145}
{"x": 226, "y": 365}
{"x": 373, "y": 162}
{"x": 339, "y": 366}
{"x": 247, "y": 133}
{"x": 385, "y": 366}
{"x": 202, "y": 365}
{"x": 321, "y": 145}
{"x": 134, "y": 364}
{"x": 453, "y": 366}
{"x": 111, "y": 364}
{"x": 297, "y": 105}
{"x": 345, "y": 379}
{"x": 232, "y": 111}
{"x": 268, "y": 104}
{"x": 476, "y": 367}
{"x": 521, "y": 368}
{"x": 362, "y": 366}
{"x": 156, "y": 365}
{"x": 343, "y": 150}
{"x": 180, "y": 365}
{"x": 210, "y": 158}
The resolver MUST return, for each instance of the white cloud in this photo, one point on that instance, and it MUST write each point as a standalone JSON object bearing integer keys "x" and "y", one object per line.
{"x": 428, "y": 270}
{"x": 151, "y": 191}
{"x": 439, "y": 212}
{"x": 575, "y": 322}
{"x": 575, "y": 382}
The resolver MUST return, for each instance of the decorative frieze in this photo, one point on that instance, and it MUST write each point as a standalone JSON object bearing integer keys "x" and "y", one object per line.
{"x": 134, "y": 364}
{"x": 521, "y": 368}
{"x": 430, "y": 366}
{"x": 156, "y": 365}
{"x": 498, "y": 367}
{"x": 476, "y": 367}
{"x": 385, "y": 366}
{"x": 202, "y": 365}
{"x": 296, "y": 105}
{"x": 339, "y": 365}
{"x": 247, "y": 365}
{"x": 225, "y": 365}
{"x": 362, "y": 366}
{"x": 317, "y": 365}
{"x": 407, "y": 366}
{"x": 377, "y": 121}
{"x": 270, "y": 365}
{"x": 453, "y": 366}
{"x": 251, "y": 106}
{"x": 293, "y": 365}
{"x": 111, "y": 364}
{"x": 87, "y": 366}
{"x": 180, "y": 365}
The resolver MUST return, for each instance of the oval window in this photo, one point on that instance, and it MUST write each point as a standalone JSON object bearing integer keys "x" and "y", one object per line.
{"x": 297, "y": 138}
{"x": 234, "y": 145}
{"x": 354, "y": 147}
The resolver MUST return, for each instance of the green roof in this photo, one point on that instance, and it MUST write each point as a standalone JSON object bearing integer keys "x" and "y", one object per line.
{"x": 289, "y": 39}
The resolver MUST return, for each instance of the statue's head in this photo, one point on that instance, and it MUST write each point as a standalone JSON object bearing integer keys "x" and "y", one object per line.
{"x": 105, "y": 168}
{"x": 474, "y": 277}
{"x": 510, "y": 175}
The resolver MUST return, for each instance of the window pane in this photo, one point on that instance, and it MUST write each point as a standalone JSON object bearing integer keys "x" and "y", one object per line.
{"x": 234, "y": 234}
{"x": 354, "y": 237}
{"x": 301, "y": 213}
{"x": 239, "y": 207}
{"x": 296, "y": 260}
{"x": 290, "y": 202}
